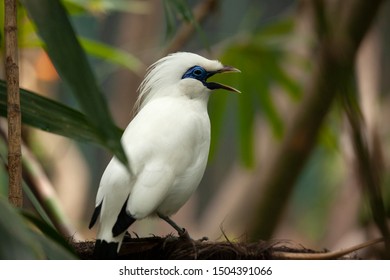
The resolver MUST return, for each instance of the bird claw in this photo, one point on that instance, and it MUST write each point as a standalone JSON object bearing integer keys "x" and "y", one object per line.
{"x": 127, "y": 237}
{"x": 169, "y": 238}
{"x": 185, "y": 236}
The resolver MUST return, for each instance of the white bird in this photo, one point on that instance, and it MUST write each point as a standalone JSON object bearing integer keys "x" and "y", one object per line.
{"x": 167, "y": 145}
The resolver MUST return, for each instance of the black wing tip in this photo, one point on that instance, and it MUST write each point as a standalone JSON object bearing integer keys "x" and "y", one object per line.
{"x": 105, "y": 250}
{"x": 123, "y": 221}
{"x": 95, "y": 215}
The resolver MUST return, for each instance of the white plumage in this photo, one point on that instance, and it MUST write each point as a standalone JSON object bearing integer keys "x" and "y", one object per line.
{"x": 167, "y": 145}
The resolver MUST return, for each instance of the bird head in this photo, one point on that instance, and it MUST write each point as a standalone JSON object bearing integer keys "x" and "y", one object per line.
{"x": 182, "y": 73}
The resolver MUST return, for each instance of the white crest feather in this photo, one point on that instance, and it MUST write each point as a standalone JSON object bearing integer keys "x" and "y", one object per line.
{"x": 166, "y": 72}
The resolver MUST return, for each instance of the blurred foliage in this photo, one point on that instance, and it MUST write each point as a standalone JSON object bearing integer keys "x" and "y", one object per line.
{"x": 51, "y": 116}
{"x": 24, "y": 238}
{"x": 310, "y": 216}
{"x": 174, "y": 8}
{"x": 262, "y": 55}
{"x": 55, "y": 29}
{"x": 177, "y": 11}
{"x": 28, "y": 37}
{"x": 51, "y": 22}
{"x": 104, "y": 6}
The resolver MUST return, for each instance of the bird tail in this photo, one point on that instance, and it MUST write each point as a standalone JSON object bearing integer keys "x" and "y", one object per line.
{"x": 105, "y": 250}
{"x": 109, "y": 241}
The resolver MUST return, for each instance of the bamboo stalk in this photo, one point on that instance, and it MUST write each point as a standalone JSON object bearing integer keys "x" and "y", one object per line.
{"x": 15, "y": 194}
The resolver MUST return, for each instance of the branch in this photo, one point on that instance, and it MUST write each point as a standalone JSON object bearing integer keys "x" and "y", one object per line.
{"x": 187, "y": 29}
{"x": 15, "y": 194}
{"x": 334, "y": 64}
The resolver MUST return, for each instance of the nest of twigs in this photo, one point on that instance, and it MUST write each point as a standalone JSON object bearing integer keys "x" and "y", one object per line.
{"x": 173, "y": 248}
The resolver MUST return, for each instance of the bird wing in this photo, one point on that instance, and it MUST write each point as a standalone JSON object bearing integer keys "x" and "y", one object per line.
{"x": 150, "y": 190}
{"x": 115, "y": 186}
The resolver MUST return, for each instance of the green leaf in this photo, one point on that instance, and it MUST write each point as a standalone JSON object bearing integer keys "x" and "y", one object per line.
{"x": 16, "y": 239}
{"x": 276, "y": 29}
{"x": 53, "y": 250}
{"x": 71, "y": 63}
{"x": 169, "y": 18}
{"x": 281, "y": 77}
{"x": 51, "y": 116}
{"x": 261, "y": 60}
{"x": 113, "y": 55}
{"x": 21, "y": 241}
{"x": 246, "y": 116}
{"x": 264, "y": 77}
{"x": 26, "y": 189}
{"x": 172, "y": 8}
{"x": 137, "y": 7}
{"x": 217, "y": 108}
{"x": 62, "y": 250}
{"x": 35, "y": 202}
{"x": 181, "y": 8}
{"x": 270, "y": 111}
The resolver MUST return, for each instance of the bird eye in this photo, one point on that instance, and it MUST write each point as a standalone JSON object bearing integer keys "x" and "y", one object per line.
{"x": 197, "y": 72}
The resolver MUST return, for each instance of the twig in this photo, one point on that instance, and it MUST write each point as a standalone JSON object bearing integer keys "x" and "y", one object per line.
{"x": 187, "y": 29}
{"x": 327, "y": 255}
{"x": 15, "y": 194}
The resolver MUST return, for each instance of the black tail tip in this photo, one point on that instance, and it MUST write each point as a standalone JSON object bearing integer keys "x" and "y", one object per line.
{"x": 105, "y": 250}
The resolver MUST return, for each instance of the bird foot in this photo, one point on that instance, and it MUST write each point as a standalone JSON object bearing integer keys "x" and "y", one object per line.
{"x": 168, "y": 239}
{"x": 183, "y": 234}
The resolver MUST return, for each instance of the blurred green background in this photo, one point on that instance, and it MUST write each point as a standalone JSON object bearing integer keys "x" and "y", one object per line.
{"x": 89, "y": 56}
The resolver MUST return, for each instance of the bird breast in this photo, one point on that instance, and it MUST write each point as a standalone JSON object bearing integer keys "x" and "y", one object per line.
{"x": 171, "y": 133}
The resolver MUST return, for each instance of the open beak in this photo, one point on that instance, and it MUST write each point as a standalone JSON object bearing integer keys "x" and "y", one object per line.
{"x": 214, "y": 85}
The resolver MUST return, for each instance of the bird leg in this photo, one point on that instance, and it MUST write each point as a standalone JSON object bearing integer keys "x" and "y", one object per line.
{"x": 183, "y": 233}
